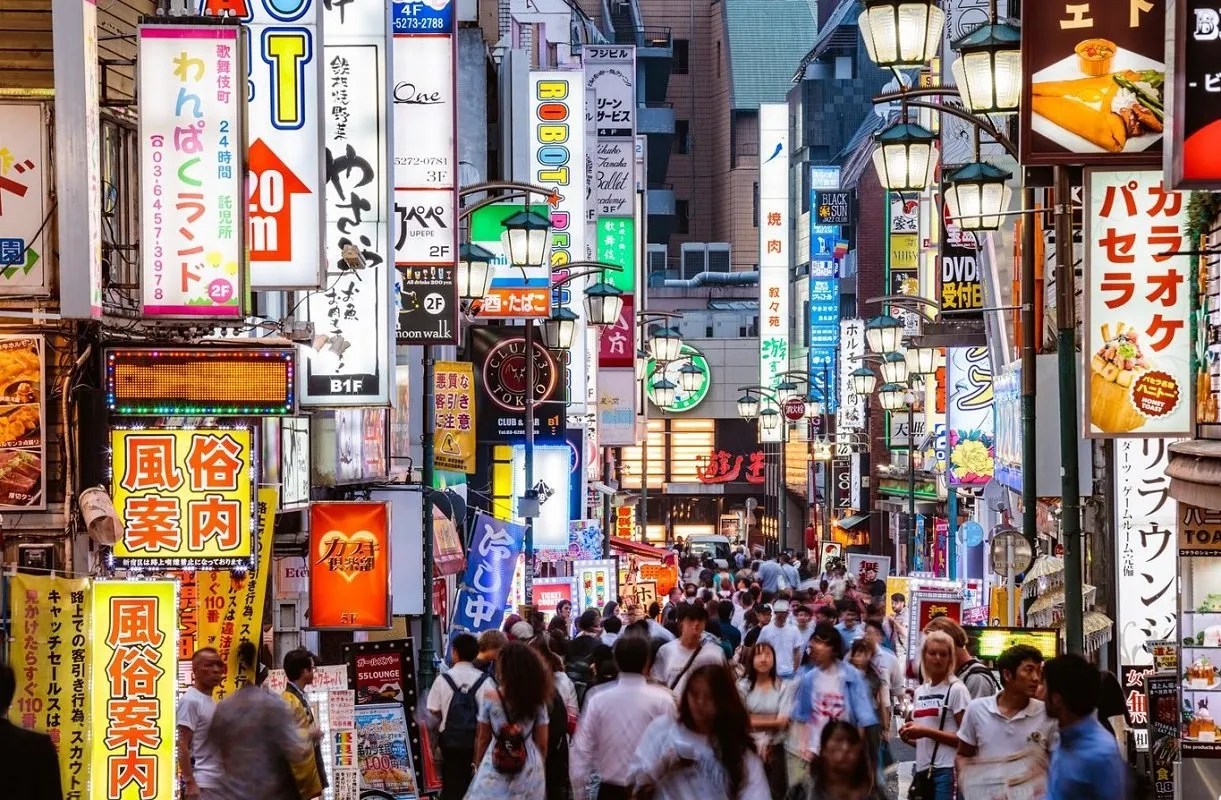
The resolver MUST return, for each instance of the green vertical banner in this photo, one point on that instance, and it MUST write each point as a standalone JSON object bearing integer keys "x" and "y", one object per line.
{"x": 617, "y": 245}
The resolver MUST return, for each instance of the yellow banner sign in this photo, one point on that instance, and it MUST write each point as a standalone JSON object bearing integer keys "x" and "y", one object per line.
{"x": 454, "y": 440}
{"x": 904, "y": 251}
{"x": 133, "y": 689}
{"x": 220, "y": 609}
{"x": 51, "y": 649}
{"x": 184, "y": 497}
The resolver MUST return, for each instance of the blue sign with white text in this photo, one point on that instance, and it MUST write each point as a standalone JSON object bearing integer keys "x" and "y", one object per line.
{"x": 432, "y": 16}
{"x": 495, "y": 546}
{"x": 824, "y": 338}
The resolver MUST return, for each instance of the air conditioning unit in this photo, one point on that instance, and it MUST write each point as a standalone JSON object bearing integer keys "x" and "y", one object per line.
{"x": 720, "y": 257}
{"x": 694, "y": 259}
{"x": 658, "y": 259}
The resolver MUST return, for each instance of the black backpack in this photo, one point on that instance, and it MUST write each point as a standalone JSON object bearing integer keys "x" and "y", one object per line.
{"x": 974, "y": 667}
{"x": 462, "y": 717}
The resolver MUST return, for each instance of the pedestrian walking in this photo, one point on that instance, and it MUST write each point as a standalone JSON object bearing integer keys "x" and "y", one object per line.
{"x": 490, "y": 644}
{"x": 843, "y": 771}
{"x": 562, "y": 716}
{"x": 768, "y": 701}
{"x": 676, "y": 660}
{"x": 970, "y": 670}
{"x": 786, "y": 640}
{"x": 28, "y": 764}
{"x": 1086, "y": 765}
{"x": 199, "y": 766}
{"x": 706, "y": 752}
{"x": 511, "y": 737}
{"x": 618, "y": 712}
{"x": 258, "y": 742}
{"x": 453, "y": 708}
{"x": 940, "y": 703}
{"x": 309, "y": 773}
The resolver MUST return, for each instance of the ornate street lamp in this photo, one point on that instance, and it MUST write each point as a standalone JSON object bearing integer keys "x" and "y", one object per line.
{"x": 690, "y": 376}
{"x": 977, "y": 196}
{"x": 603, "y": 304}
{"x": 525, "y": 239}
{"x": 883, "y": 334}
{"x": 891, "y": 396}
{"x": 921, "y": 360}
{"x": 988, "y": 70}
{"x": 642, "y": 364}
{"x": 769, "y": 418}
{"x": 560, "y": 329}
{"x": 905, "y": 158}
{"x": 665, "y": 344}
{"x": 813, "y": 409}
{"x": 894, "y": 368}
{"x": 474, "y": 272}
{"x": 901, "y": 33}
{"x": 863, "y": 381}
{"x": 663, "y": 393}
{"x": 787, "y": 389}
{"x": 748, "y": 406}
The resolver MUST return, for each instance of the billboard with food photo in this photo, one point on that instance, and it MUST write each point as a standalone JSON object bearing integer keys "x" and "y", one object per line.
{"x": 1095, "y": 91}
{"x": 22, "y": 418}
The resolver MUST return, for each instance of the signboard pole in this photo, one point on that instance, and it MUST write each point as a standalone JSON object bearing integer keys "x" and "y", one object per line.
{"x": 1066, "y": 357}
{"x": 1029, "y": 383}
{"x": 428, "y": 653}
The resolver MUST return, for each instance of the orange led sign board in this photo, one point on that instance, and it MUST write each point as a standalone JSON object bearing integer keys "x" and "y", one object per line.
{"x": 200, "y": 381}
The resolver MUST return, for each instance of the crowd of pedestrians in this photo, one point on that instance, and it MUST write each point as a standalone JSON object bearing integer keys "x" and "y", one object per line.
{"x": 767, "y": 682}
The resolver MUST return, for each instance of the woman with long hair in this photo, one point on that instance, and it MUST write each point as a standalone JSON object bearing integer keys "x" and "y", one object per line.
{"x": 562, "y": 713}
{"x": 843, "y": 770}
{"x": 936, "y": 714}
{"x": 707, "y": 752}
{"x": 517, "y": 706}
{"x": 767, "y": 701}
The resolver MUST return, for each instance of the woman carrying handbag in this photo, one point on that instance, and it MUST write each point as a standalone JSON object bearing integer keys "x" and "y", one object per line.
{"x": 936, "y": 714}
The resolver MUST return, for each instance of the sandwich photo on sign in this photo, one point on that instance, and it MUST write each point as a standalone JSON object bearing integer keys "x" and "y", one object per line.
{"x": 1100, "y": 98}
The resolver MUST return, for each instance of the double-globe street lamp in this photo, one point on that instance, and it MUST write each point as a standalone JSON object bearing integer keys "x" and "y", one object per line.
{"x": 662, "y": 347}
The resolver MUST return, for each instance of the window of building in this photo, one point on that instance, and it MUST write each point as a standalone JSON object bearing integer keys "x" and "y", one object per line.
{"x": 682, "y": 52}
{"x": 682, "y": 136}
{"x": 754, "y": 214}
{"x": 682, "y": 210}
{"x": 718, "y": 58}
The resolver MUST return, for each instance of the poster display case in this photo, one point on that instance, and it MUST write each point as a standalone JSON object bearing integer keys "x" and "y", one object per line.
{"x": 1199, "y": 663}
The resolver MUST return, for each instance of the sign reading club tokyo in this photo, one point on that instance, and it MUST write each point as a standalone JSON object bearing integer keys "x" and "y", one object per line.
{"x": 557, "y": 162}
{"x": 285, "y": 165}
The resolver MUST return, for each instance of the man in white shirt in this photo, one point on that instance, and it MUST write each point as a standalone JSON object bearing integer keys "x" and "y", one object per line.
{"x": 1007, "y": 723}
{"x": 786, "y": 640}
{"x": 885, "y": 662}
{"x": 616, "y": 714}
{"x": 198, "y": 759}
{"x": 457, "y": 741}
{"x": 676, "y": 660}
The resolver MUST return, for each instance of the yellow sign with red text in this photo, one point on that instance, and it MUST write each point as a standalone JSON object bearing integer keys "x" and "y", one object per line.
{"x": 184, "y": 497}
{"x": 132, "y": 691}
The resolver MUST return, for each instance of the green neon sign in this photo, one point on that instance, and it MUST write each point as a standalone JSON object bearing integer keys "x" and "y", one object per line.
{"x": 673, "y": 372}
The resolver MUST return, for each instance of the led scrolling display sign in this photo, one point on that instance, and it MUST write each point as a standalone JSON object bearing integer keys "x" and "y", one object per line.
{"x": 174, "y": 381}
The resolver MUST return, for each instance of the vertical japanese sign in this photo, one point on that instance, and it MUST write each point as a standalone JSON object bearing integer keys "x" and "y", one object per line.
{"x": 960, "y": 282}
{"x": 823, "y": 237}
{"x": 1137, "y": 308}
{"x": 349, "y": 566}
{"x": 220, "y": 609}
{"x": 23, "y": 446}
{"x": 970, "y": 436}
{"x": 184, "y": 497}
{"x": 1193, "y": 46}
{"x": 133, "y": 688}
{"x": 356, "y": 303}
{"x": 1145, "y": 519}
{"x": 557, "y": 159}
{"x": 52, "y": 642}
{"x": 616, "y": 244}
{"x": 495, "y": 547}
{"x": 774, "y": 266}
{"x": 903, "y": 256}
{"x": 617, "y": 389}
{"x": 824, "y": 339}
{"x": 597, "y": 583}
{"x": 425, "y": 171}
{"x": 25, "y": 186}
{"x": 192, "y": 170}
{"x": 78, "y": 161}
{"x": 1093, "y": 82}
{"x": 455, "y": 416}
{"x": 284, "y": 129}
{"x": 850, "y": 416}
{"x": 610, "y": 75}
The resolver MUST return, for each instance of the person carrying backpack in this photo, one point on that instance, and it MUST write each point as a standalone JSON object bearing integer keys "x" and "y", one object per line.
{"x": 513, "y": 732}
{"x": 980, "y": 680}
{"x": 453, "y": 706}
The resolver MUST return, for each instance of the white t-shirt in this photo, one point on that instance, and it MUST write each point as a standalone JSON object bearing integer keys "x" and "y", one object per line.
{"x": 665, "y": 741}
{"x": 828, "y": 703}
{"x": 441, "y": 695}
{"x": 783, "y": 640}
{"x": 997, "y": 736}
{"x": 672, "y": 658}
{"x": 195, "y": 710}
{"x": 926, "y": 711}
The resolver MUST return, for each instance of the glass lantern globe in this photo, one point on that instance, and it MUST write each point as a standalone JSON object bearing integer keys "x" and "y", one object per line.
{"x": 906, "y": 158}
{"x": 863, "y": 381}
{"x": 474, "y": 272}
{"x": 525, "y": 239}
{"x": 894, "y": 368}
{"x": 769, "y": 418}
{"x": 988, "y": 70}
{"x": 883, "y": 334}
{"x": 664, "y": 392}
{"x": 977, "y": 196}
{"x": 748, "y": 406}
{"x": 891, "y": 396}
{"x": 560, "y": 329}
{"x": 665, "y": 344}
{"x": 603, "y": 304}
{"x": 901, "y": 33}
{"x": 690, "y": 377}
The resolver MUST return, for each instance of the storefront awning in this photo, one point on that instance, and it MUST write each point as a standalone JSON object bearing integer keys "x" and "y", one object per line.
{"x": 853, "y": 521}
{"x": 1195, "y": 473}
{"x": 639, "y": 549}
{"x": 448, "y": 564}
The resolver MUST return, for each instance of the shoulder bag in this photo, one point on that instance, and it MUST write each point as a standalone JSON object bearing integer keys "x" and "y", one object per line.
{"x": 922, "y": 787}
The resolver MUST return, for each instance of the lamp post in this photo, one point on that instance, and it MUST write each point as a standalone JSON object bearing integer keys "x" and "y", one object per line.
{"x": 664, "y": 345}
{"x": 768, "y": 417}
